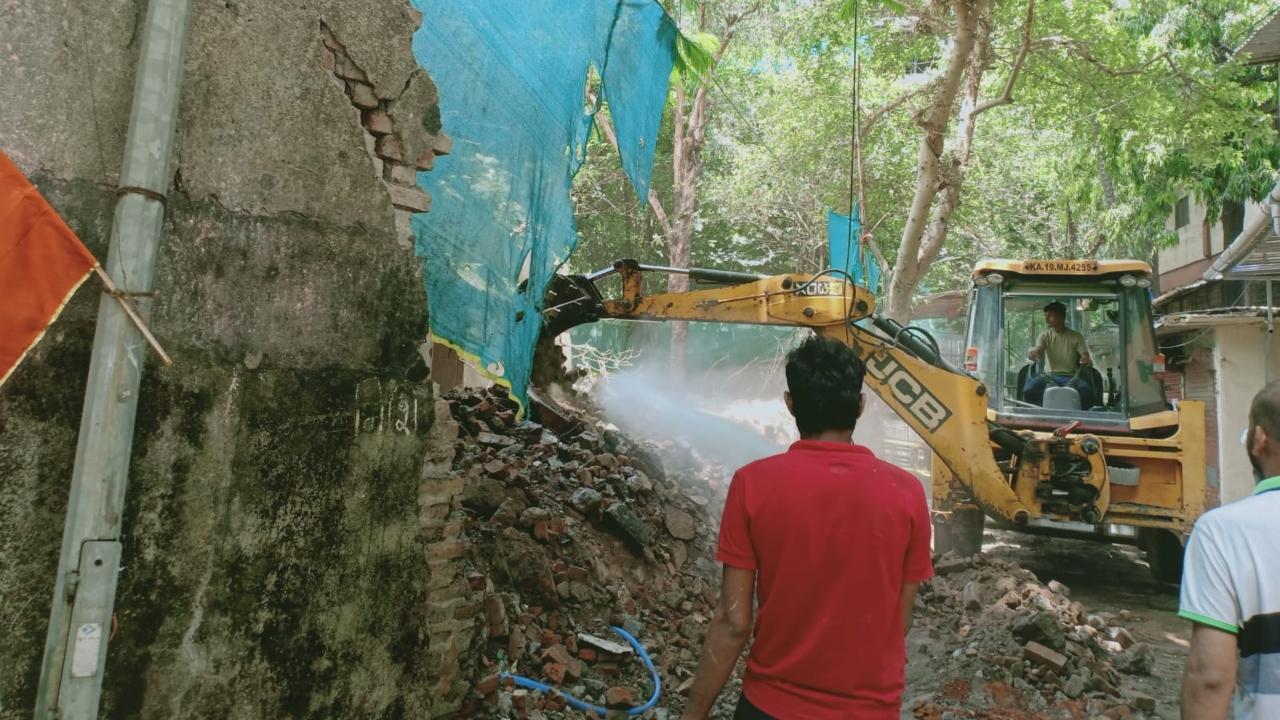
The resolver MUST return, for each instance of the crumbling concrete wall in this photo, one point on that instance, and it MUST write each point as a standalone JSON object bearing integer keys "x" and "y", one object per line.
{"x": 280, "y": 521}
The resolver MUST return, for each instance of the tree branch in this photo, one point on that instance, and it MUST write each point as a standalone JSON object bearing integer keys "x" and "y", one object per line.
{"x": 606, "y": 127}
{"x": 870, "y": 121}
{"x": 1082, "y": 51}
{"x": 1007, "y": 96}
{"x": 660, "y": 213}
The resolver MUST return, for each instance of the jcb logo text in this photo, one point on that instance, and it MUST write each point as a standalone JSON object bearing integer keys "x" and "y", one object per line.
{"x": 908, "y": 391}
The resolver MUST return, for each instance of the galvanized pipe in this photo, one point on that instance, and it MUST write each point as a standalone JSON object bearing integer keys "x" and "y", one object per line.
{"x": 84, "y": 591}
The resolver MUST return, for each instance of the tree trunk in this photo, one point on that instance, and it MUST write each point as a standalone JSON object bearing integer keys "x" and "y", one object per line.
{"x": 907, "y": 269}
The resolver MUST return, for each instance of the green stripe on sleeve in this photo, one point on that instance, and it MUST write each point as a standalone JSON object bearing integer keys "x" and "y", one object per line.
{"x": 1220, "y": 625}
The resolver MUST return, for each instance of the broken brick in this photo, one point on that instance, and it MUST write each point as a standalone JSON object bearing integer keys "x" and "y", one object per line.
{"x": 443, "y": 144}
{"x": 407, "y": 198}
{"x": 619, "y": 698}
{"x": 554, "y": 672}
{"x": 390, "y": 147}
{"x": 559, "y": 654}
{"x": 488, "y": 685}
{"x": 378, "y": 122}
{"x": 1045, "y": 657}
{"x": 362, "y": 95}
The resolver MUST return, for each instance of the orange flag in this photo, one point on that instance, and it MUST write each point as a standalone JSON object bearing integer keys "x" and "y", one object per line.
{"x": 42, "y": 262}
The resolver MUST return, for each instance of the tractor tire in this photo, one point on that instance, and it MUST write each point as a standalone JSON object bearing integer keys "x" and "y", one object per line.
{"x": 1164, "y": 556}
{"x": 961, "y": 534}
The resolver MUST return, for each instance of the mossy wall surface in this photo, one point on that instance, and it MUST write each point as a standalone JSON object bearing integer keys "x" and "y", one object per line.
{"x": 274, "y": 563}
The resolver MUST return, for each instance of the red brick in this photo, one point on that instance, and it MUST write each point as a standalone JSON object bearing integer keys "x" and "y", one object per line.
{"x": 443, "y": 144}
{"x": 587, "y": 654}
{"x": 559, "y": 655}
{"x": 577, "y": 573}
{"x": 378, "y": 122}
{"x": 554, "y": 672}
{"x": 487, "y": 685}
{"x": 409, "y": 198}
{"x": 362, "y": 95}
{"x": 1045, "y": 657}
{"x": 619, "y": 697}
{"x": 495, "y": 612}
{"x": 476, "y": 581}
{"x": 389, "y": 147}
{"x": 426, "y": 160}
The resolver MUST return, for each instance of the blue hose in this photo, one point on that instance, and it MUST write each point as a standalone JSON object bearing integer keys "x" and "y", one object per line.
{"x": 577, "y": 704}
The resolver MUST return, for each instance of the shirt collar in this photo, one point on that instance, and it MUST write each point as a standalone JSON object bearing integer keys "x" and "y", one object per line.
{"x": 833, "y": 447}
{"x": 1271, "y": 483}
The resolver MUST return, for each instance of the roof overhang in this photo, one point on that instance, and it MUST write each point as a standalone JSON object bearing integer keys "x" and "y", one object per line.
{"x": 1178, "y": 292}
{"x": 1263, "y": 46}
{"x": 1178, "y": 322}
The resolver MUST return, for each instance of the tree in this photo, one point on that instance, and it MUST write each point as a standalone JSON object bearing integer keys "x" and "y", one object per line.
{"x": 987, "y": 127}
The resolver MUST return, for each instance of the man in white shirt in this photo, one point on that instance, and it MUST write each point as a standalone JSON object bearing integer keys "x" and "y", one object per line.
{"x": 1231, "y": 590}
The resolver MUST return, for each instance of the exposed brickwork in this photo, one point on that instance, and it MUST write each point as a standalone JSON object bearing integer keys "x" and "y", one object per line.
{"x": 394, "y": 163}
{"x": 455, "y": 602}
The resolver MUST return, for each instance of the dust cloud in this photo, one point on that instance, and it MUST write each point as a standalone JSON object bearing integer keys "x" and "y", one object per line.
{"x": 718, "y": 427}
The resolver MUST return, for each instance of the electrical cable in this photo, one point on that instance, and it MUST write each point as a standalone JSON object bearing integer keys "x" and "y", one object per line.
{"x": 575, "y": 703}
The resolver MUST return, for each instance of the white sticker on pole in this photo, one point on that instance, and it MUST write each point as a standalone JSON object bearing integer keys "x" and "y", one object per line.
{"x": 84, "y": 659}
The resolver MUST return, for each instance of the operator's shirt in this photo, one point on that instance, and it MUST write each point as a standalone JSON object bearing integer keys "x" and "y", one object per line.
{"x": 1062, "y": 350}
{"x": 833, "y": 533}
{"x": 1231, "y": 581}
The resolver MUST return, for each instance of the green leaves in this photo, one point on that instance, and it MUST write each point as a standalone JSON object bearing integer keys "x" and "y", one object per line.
{"x": 695, "y": 57}
{"x": 850, "y": 8}
{"x": 1121, "y": 109}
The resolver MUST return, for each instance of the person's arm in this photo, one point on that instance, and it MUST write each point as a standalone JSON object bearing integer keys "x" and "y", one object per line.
{"x": 1083, "y": 348}
{"x": 1210, "y": 677}
{"x": 1034, "y": 353}
{"x": 1208, "y": 599}
{"x": 908, "y": 603}
{"x": 917, "y": 565}
{"x": 728, "y": 635}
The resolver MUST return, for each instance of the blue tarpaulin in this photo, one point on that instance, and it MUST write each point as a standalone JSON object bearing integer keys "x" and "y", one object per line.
{"x": 511, "y": 78}
{"x": 847, "y": 253}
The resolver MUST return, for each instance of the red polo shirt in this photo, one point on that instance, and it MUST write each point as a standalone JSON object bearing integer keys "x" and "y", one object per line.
{"x": 833, "y": 533}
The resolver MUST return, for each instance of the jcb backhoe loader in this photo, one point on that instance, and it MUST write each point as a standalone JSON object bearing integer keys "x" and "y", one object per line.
{"x": 1119, "y": 457}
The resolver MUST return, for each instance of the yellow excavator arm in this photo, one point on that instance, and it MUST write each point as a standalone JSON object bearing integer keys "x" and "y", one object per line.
{"x": 944, "y": 405}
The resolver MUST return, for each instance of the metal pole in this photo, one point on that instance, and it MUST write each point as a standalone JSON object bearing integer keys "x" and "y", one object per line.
{"x": 84, "y": 591}
{"x": 1266, "y": 345}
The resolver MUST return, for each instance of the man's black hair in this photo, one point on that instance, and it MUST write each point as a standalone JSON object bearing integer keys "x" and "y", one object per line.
{"x": 1057, "y": 307}
{"x": 824, "y": 377}
{"x": 1265, "y": 411}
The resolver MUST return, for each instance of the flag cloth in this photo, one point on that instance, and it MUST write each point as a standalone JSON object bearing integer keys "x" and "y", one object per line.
{"x": 42, "y": 262}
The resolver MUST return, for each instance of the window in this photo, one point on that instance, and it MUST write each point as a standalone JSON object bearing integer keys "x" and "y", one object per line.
{"x": 1182, "y": 213}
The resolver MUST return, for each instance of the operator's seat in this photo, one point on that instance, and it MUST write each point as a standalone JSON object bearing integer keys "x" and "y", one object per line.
{"x": 1089, "y": 373}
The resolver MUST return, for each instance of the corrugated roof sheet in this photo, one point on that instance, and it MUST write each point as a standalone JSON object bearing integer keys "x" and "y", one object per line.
{"x": 1262, "y": 261}
{"x": 1263, "y": 46}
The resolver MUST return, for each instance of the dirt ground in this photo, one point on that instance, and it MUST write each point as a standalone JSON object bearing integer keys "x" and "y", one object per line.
{"x": 1110, "y": 580}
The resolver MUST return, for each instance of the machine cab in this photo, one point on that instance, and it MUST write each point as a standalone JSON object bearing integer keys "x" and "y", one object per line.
{"x": 1107, "y": 302}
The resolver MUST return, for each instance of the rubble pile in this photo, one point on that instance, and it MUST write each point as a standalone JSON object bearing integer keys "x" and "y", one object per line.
{"x": 1007, "y": 647}
{"x": 571, "y": 531}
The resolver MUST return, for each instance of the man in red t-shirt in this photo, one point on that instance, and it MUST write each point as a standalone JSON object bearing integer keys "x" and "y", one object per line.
{"x": 833, "y": 543}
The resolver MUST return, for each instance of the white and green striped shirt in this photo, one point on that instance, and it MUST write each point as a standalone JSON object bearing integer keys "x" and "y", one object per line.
{"x": 1231, "y": 581}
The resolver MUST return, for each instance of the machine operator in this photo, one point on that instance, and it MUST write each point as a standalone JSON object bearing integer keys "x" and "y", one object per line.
{"x": 1065, "y": 353}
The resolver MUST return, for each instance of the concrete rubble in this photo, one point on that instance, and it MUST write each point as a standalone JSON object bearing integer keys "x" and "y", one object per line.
{"x": 568, "y": 533}
{"x": 1005, "y": 646}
